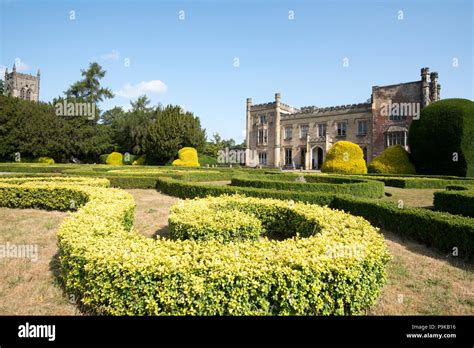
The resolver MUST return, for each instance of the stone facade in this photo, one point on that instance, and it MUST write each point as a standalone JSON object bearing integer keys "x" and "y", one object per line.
{"x": 288, "y": 137}
{"x": 23, "y": 86}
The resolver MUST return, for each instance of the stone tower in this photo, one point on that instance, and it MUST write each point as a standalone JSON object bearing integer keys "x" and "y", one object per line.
{"x": 23, "y": 86}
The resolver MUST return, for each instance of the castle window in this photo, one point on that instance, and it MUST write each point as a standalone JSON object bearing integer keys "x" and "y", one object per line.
{"x": 262, "y": 119}
{"x": 262, "y": 136}
{"x": 341, "y": 129}
{"x": 262, "y": 158}
{"x": 322, "y": 130}
{"x": 304, "y": 131}
{"x": 28, "y": 94}
{"x": 288, "y": 132}
{"x": 22, "y": 93}
{"x": 362, "y": 127}
{"x": 396, "y": 138}
{"x": 288, "y": 156}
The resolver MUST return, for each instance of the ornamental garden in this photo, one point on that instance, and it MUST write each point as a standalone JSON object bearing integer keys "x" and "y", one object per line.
{"x": 348, "y": 240}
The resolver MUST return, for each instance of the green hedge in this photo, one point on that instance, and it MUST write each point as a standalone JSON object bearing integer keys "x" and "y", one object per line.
{"x": 415, "y": 182}
{"x": 362, "y": 188}
{"x": 456, "y": 200}
{"x": 441, "y": 230}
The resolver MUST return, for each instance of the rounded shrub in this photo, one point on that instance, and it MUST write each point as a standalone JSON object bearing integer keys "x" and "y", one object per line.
{"x": 441, "y": 141}
{"x": 394, "y": 160}
{"x": 47, "y": 160}
{"x": 187, "y": 157}
{"x": 115, "y": 158}
{"x": 344, "y": 157}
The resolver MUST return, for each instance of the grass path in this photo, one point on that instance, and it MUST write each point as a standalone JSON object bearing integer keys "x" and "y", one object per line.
{"x": 420, "y": 281}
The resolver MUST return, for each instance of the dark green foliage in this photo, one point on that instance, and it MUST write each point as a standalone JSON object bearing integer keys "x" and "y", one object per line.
{"x": 456, "y": 200}
{"x": 444, "y": 129}
{"x": 172, "y": 130}
{"x": 362, "y": 188}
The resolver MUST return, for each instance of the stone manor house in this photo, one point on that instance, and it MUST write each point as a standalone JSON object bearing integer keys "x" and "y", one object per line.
{"x": 288, "y": 137}
{"x": 23, "y": 86}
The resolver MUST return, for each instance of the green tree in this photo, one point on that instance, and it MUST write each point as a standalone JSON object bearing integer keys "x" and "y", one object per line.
{"x": 2, "y": 87}
{"x": 441, "y": 141}
{"x": 172, "y": 130}
{"x": 130, "y": 128}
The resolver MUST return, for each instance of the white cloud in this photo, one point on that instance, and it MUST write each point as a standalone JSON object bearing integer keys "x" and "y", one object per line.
{"x": 244, "y": 133}
{"x": 144, "y": 87}
{"x": 114, "y": 55}
{"x": 21, "y": 65}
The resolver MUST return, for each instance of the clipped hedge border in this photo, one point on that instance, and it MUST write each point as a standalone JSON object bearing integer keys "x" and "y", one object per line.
{"x": 455, "y": 200}
{"x": 443, "y": 231}
{"x": 416, "y": 182}
{"x": 334, "y": 185}
{"x": 113, "y": 270}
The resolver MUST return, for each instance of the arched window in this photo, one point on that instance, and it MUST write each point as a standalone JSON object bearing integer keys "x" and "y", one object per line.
{"x": 28, "y": 94}
{"x": 23, "y": 93}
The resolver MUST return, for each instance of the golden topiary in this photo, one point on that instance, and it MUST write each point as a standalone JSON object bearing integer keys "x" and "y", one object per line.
{"x": 344, "y": 157}
{"x": 47, "y": 160}
{"x": 394, "y": 160}
{"x": 115, "y": 158}
{"x": 188, "y": 157}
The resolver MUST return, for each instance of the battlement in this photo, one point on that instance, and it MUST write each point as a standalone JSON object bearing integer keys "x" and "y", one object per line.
{"x": 330, "y": 110}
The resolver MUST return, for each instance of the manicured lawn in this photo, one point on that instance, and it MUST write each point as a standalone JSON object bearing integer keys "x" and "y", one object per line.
{"x": 420, "y": 280}
{"x": 422, "y": 198}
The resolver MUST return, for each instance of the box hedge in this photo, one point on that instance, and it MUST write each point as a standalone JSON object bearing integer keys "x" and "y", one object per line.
{"x": 456, "y": 200}
{"x": 113, "y": 270}
{"x": 440, "y": 230}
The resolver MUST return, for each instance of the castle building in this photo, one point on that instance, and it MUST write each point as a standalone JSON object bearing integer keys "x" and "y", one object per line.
{"x": 288, "y": 137}
{"x": 23, "y": 86}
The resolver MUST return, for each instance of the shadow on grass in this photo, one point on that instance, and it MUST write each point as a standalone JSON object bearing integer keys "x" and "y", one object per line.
{"x": 424, "y": 250}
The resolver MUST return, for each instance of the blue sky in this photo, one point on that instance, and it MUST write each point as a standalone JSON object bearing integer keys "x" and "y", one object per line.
{"x": 191, "y": 62}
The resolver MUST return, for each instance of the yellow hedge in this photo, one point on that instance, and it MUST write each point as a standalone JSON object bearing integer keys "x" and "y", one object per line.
{"x": 115, "y": 158}
{"x": 344, "y": 157}
{"x": 47, "y": 160}
{"x": 188, "y": 157}
{"x": 394, "y": 160}
{"x": 139, "y": 161}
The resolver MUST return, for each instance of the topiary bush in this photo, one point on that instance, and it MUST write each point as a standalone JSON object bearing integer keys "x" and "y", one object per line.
{"x": 441, "y": 141}
{"x": 115, "y": 159}
{"x": 47, "y": 160}
{"x": 188, "y": 157}
{"x": 344, "y": 157}
{"x": 394, "y": 160}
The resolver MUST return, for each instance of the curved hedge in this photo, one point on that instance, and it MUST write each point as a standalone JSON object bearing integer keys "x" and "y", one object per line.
{"x": 338, "y": 269}
{"x": 441, "y": 230}
{"x": 322, "y": 184}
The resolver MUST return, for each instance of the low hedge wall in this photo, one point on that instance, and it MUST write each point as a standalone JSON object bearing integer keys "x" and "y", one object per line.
{"x": 416, "y": 182}
{"x": 456, "y": 200}
{"x": 113, "y": 270}
{"x": 440, "y": 230}
{"x": 362, "y": 188}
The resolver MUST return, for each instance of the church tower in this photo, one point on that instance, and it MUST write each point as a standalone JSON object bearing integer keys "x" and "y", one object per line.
{"x": 23, "y": 86}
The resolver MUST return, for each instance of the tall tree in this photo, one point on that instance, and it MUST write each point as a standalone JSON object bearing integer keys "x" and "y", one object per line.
{"x": 172, "y": 130}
